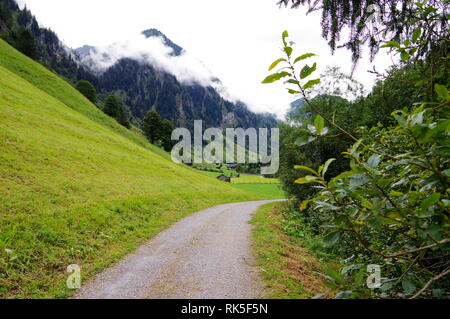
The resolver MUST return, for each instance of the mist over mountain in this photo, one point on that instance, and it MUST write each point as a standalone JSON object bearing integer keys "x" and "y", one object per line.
{"x": 177, "y": 50}
{"x": 151, "y": 72}
{"x": 148, "y": 71}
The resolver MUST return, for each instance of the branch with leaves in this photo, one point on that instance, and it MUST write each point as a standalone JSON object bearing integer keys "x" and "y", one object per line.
{"x": 394, "y": 199}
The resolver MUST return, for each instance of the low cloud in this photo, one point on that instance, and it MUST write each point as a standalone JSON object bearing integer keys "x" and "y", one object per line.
{"x": 186, "y": 68}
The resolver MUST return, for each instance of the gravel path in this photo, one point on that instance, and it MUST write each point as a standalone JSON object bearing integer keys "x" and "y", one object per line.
{"x": 205, "y": 255}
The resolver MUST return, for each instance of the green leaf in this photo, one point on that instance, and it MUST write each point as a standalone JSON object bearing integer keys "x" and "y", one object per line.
{"x": 288, "y": 50}
{"x": 436, "y": 231}
{"x": 335, "y": 275}
{"x": 447, "y": 172}
{"x": 319, "y": 123}
{"x": 306, "y": 180}
{"x": 412, "y": 51}
{"x": 306, "y": 168}
{"x": 292, "y": 81}
{"x": 391, "y": 44}
{"x": 442, "y": 92}
{"x": 404, "y": 55}
{"x": 408, "y": 287}
{"x": 416, "y": 118}
{"x": 332, "y": 238}
{"x": 326, "y": 165}
{"x": 358, "y": 180}
{"x": 325, "y": 204}
{"x": 355, "y": 147}
{"x": 275, "y": 77}
{"x": 307, "y": 70}
{"x": 275, "y": 63}
{"x": 400, "y": 119}
{"x": 395, "y": 193}
{"x": 304, "y": 56}
{"x": 416, "y": 35}
{"x": 304, "y": 205}
{"x": 311, "y": 83}
{"x": 430, "y": 200}
{"x": 375, "y": 222}
{"x": 374, "y": 161}
{"x": 285, "y": 34}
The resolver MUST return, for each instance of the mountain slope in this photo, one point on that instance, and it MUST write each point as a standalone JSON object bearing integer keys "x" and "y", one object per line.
{"x": 76, "y": 188}
{"x": 177, "y": 50}
{"x": 142, "y": 86}
{"x": 53, "y": 85}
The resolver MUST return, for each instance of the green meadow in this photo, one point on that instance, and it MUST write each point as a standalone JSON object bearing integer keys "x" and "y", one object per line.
{"x": 78, "y": 188}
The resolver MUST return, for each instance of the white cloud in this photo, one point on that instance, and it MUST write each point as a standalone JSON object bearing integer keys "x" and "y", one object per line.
{"x": 186, "y": 68}
{"x": 236, "y": 39}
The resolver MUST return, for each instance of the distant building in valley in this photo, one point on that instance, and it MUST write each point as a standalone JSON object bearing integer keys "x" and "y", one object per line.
{"x": 224, "y": 178}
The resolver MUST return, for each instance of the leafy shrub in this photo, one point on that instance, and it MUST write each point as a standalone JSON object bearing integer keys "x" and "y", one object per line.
{"x": 391, "y": 207}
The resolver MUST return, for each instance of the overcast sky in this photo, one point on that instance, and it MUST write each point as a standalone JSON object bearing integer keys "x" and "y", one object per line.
{"x": 235, "y": 39}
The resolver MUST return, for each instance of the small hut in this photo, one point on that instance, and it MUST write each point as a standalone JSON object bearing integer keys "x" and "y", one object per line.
{"x": 224, "y": 178}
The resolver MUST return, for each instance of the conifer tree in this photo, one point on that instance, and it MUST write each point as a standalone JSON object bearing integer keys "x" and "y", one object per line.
{"x": 112, "y": 106}
{"x": 88, "y": 90}
{"x": 26, "y": 44}
{"x": 152, "y": 126}
{"x": 166, "y": 135}
{"x": 123, "y": 119}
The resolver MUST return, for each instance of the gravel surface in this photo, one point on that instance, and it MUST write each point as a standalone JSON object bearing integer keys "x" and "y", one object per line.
{"x": 206, "y": 255}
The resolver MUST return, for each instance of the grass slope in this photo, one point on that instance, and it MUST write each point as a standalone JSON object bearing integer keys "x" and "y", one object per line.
{"x": 287, "y": 269}
{"x": 52, "y": 84}
{"x": 75, "y": 186}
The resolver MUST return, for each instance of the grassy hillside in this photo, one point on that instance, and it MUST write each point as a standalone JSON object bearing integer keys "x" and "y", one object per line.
{"x": 76, "y": 187}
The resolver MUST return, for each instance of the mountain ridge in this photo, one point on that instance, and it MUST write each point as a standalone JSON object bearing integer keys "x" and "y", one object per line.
{"x": 144, "y": 86}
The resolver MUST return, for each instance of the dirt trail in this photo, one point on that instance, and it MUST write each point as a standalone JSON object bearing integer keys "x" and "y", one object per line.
{"x": 205, "y": 255}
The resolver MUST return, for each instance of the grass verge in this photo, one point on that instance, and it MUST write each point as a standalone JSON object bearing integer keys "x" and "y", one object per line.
{"x": 287, "y": 268}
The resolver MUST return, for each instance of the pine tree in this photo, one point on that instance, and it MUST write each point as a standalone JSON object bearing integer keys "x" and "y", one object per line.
{"x": 152, "y": 126}
{"x": 114, "y": 109}
{"x": 112, "y": 106}
{"x": 88, "y": 90}
{"x": 26, "y": 44}
{"x": 166, "y": 135}
{"x": 123, "y": 119}
{"x": 5, "y": 16}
